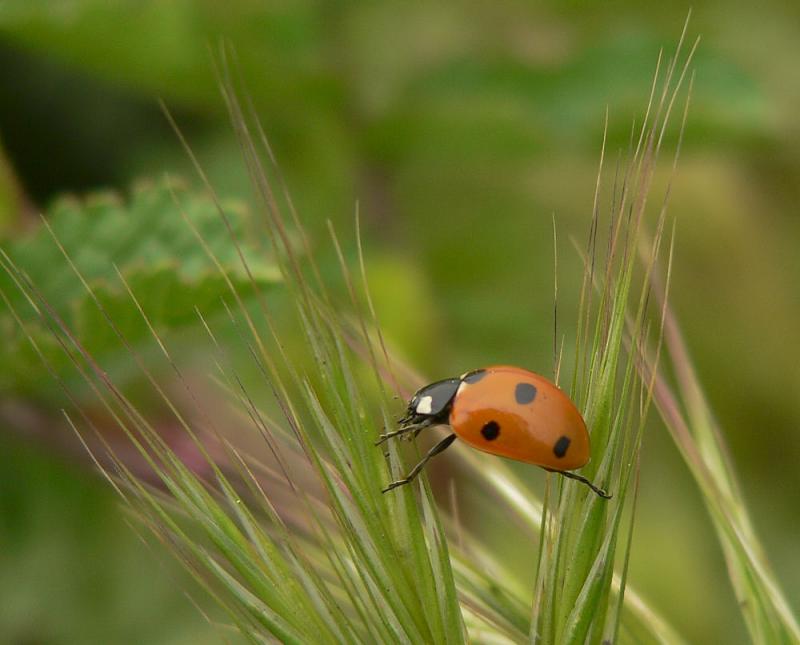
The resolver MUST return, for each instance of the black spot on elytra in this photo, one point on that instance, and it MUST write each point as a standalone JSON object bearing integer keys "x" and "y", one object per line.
{"x": 560, "y": 449}
{"x": 491, "y": 431}
{"x": 474, "y": 377}
{"x": 525, "y": 393}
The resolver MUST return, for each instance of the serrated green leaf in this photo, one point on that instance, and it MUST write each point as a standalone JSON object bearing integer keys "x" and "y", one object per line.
{"x": 157, "y": 254}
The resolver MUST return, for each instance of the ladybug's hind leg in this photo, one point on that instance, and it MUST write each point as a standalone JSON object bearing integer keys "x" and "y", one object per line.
{"x": 599, "y": 491}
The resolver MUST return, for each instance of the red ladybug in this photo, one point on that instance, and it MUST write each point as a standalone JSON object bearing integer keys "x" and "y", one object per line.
{"x": 504, "y": 410}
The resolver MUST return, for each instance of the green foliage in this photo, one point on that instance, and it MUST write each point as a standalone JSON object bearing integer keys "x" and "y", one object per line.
{"x": 10, "y": 195}
{"x": 164, "y": 46}
{"x": 573, "y": 602}
{"x": 354, "y": 565}
{"x": 690, "y": 420}
{"x": 151, "y": 243}
{"x": 84, "y": 558}
{"x": 454, "y": 117}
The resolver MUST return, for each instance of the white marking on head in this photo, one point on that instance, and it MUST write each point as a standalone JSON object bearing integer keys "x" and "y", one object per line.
{"x": 461, "y": 387}
{"x": 424, "y": 405}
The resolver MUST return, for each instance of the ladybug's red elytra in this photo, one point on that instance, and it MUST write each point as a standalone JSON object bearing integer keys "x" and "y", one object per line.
{"x": 506, "y": 411}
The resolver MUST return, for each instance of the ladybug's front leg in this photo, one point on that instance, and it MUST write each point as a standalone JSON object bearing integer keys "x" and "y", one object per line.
{"x": 439, "y": 447}
{"x": 416, "y": 428}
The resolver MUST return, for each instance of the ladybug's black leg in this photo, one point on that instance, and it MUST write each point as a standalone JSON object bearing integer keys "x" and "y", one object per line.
{"x": 408, "y": 418}
{"x": 416, "y": 428}
{"x": 439, "y": 447}
{"x": 583, "y": 480}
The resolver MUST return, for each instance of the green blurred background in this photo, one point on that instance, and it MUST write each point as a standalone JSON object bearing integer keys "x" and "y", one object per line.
{"x": 460, "y": 130}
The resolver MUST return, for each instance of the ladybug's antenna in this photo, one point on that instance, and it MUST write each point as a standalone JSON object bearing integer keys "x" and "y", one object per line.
{"x": 582, "y": 479}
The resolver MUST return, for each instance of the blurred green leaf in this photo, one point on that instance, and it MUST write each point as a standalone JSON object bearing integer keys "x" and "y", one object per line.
{"x": 156, "y": 252}
{"x": 10, "y": 195}
{"x": 73, "y": 571}
{"x": 165, "y": 46}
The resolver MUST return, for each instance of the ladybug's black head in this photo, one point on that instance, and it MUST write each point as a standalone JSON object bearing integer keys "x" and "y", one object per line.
{"x": 433, "y": 401}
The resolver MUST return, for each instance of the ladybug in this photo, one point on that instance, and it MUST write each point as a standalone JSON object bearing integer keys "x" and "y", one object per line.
{"x": 506, "y": 411}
